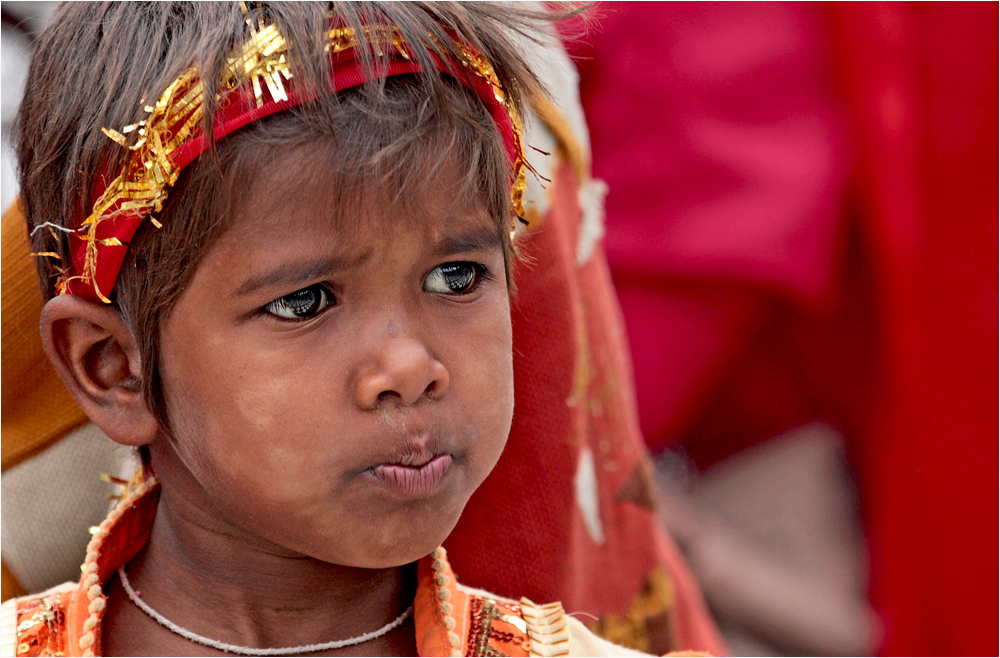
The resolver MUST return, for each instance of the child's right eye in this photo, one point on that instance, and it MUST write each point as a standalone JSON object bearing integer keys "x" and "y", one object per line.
{"x": 301, "y": 304}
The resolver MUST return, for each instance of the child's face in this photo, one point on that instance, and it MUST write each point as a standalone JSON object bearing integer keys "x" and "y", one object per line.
{"x": 339, "y": 388}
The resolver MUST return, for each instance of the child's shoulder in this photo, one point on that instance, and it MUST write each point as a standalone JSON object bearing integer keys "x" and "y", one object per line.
{"x": 478, "y": 623}
{"x": 450, "y": 618}
{"x": 550, "y": 631}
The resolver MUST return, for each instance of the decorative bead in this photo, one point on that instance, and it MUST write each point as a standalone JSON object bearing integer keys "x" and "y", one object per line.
{"x": 90, "y": 624}
{"x": 439, "y": 565}
{"x": 90, "y": 580}
{"x": 97, "y": 605}
{"x": 87, "y": 640}
{"x": 91, "y": 564}
{"x": 94, "y": 592}
{"x": 88, "y": 654}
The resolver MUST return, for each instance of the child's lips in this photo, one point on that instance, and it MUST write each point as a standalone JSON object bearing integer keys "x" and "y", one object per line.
{"x": 413, "y": 480}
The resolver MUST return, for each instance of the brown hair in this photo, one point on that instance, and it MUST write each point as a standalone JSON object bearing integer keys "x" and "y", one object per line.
{"x": 97, "y": 63}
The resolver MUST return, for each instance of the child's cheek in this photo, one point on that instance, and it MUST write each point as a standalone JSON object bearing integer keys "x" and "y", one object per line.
{"x": 491, "y": 362}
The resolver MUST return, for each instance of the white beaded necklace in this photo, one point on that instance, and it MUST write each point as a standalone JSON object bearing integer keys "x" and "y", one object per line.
{"x": 251, "y": 651}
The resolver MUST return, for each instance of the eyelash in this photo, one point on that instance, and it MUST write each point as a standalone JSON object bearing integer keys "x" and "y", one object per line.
{"x": 477, "y": 276}
{"x": 309, "y": 302}
{"x": 323, "y": 300}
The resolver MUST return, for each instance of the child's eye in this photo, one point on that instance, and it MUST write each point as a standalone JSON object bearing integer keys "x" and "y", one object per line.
{"x": 455, "y": 278}
{"x": 301, "y": 304}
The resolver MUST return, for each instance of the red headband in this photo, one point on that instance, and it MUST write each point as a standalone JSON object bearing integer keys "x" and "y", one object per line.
{"x": 170, "y": 139}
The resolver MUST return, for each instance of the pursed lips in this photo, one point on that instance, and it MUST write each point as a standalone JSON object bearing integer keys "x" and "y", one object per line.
{"x": 415, "y": 469}
{"x": 416, "y": 480}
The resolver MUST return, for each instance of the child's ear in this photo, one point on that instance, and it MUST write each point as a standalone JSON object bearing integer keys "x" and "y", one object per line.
{"x": 97, "y": 357}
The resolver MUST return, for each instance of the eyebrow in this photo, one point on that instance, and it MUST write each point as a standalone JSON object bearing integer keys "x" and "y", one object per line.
{"x": 480, "y": 239}
{"x": 295, "y": 273}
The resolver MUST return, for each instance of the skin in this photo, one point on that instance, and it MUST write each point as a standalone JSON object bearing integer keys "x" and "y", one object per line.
{"x": 273, "y": 529}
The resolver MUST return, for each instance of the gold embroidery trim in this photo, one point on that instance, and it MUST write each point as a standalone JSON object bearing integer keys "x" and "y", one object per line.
{"x": 263, "y": 59}
{"x": 547, "y": 628}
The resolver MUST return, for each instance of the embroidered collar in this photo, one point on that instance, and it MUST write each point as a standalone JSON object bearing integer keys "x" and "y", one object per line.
{"x": 450, "y": 619}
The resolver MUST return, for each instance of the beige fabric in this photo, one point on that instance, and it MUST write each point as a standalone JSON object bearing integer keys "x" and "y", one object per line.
{"x": 51, "y": 499}
{"x": 8, "y": 628}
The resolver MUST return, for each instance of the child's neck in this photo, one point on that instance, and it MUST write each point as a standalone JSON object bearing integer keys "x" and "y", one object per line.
{"x": 201, "y": 575}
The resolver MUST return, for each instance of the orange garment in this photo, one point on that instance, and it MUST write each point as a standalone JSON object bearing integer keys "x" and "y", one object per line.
{"x": 450, "y": 619}
{"x": 37, "y": 409}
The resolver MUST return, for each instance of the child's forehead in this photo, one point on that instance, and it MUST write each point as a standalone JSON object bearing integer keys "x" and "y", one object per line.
{"x": 297, "y": 194}
{"x": 321, "y": 178}
{"x": 302, "y": 218}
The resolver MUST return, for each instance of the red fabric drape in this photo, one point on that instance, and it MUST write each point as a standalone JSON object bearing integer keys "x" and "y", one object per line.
{"x": 921, "y": 83}
{"x": 802, "y": 225}
{"x": 524, "y": 533}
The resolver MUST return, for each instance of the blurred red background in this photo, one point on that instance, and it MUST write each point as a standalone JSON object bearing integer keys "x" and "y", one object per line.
{"x": 802, "y": 225}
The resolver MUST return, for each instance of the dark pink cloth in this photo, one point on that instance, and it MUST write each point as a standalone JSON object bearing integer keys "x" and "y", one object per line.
{"x": 716, "y": 132}
{"x": 802, "y": 225}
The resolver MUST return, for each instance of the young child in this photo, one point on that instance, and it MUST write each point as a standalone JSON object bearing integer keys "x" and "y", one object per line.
{"x": 303, "y": 323}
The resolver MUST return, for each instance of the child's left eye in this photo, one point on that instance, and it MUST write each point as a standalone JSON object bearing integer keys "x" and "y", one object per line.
{"x": 455, "y": 278}
{"x": 301, "y": 304}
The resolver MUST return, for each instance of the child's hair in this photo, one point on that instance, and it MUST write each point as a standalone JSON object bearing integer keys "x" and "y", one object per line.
{"x": 97, "y": 64}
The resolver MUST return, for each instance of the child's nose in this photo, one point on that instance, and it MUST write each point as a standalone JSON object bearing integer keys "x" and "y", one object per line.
{"x": 402, "y": 371}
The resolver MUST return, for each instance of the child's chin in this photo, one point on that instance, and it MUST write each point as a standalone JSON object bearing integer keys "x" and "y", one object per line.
{"x": 392, "y": 556}
{"x": 387, "y": 546}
